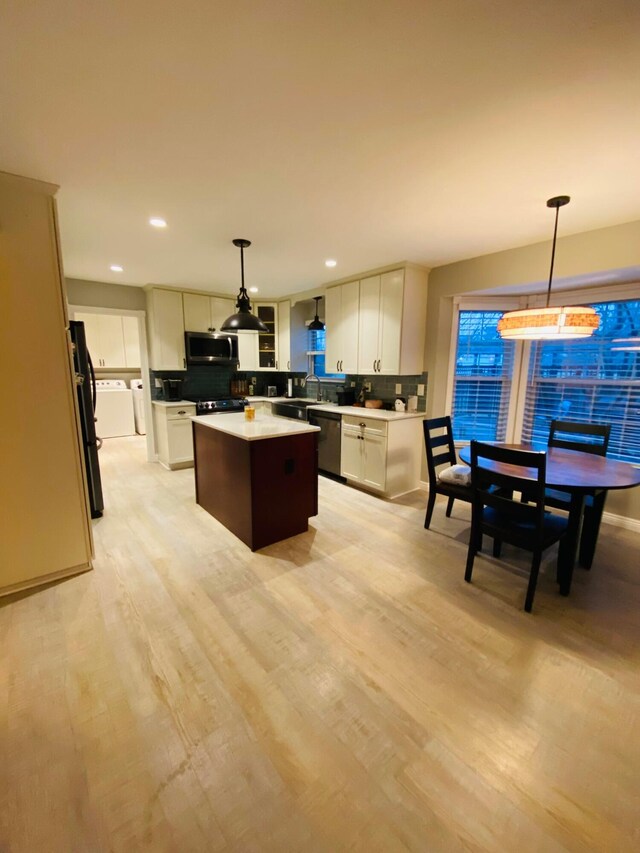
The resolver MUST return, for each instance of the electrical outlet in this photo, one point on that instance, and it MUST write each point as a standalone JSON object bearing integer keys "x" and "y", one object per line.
{"x": 367, "y": 386}
{"x": 353, "y": 384}
{"x": 157, "y": 383}
{"x": 253, "y": 380}
{"x": 398, "y": 388}
{"x": 420, "y": 390}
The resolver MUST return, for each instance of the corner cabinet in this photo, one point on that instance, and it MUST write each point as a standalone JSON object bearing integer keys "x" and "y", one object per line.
{"x": 165, "y": 319}
{"x": 341, "y": 315}
{"x": 174, "y": 434}
{"x": 382, "y": 456}
{"x": 267, "y": 341}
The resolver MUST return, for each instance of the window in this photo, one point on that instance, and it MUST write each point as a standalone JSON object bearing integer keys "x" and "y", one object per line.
{"x": 316, "y": 346}
{"x": 591, "y": 380}
{"x": 482, "y": 377}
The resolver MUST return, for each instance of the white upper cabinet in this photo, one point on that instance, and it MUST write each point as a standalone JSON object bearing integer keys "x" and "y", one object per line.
{"x": 381, "y": 304}
{"x": 166, "y": 329}
{"x": 221, "y": 308}
{"x": 392, "y": 322}
{"x": 284, "y": 336}
{"x": 131, "y": 336}
{"x": 248, "y": 351}
{"x": 205, "y": 313}
{"x": 197, "y": 312}
{"x": 341, "y": 320}
{"x": 112, "y": 339}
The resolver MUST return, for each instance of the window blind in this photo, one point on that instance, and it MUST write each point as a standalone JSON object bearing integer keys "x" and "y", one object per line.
{"x": 590, "y": 380}
{"x": 482, "y": 378}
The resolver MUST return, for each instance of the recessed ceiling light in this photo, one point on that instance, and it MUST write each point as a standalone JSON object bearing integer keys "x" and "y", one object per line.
{"x": 116, "y": 268}
{"x": 157, "y": 222}
{"x": 253, "y": 290}
{"x": 330, "y": 263}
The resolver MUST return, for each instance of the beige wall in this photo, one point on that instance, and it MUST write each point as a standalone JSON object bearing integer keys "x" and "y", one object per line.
{"x": 101, "y": 294}
{"x": 608, "y": 255}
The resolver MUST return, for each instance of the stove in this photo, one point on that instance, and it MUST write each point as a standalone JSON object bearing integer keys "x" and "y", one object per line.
{"x": 209, "y": 406}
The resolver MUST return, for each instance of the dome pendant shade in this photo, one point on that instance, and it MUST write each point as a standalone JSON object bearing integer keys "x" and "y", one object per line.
{"x": 316, "y": 325}
{"x": 243, "y": 320}
{"x": 549, "y": 324}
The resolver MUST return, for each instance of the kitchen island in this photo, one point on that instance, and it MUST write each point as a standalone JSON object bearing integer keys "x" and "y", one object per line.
{"x": 259, "y": 478}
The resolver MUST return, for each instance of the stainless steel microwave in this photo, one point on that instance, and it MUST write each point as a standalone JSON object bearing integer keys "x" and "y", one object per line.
{"x": 219, "y": 348}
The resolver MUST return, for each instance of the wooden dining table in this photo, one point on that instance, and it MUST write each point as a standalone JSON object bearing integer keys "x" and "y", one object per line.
{"x": 580, "y": 475}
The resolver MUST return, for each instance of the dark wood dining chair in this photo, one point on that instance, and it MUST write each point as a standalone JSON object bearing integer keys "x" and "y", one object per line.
{"x": 495, "y": 513}
{"x": 441, "y": 452}
{"x": 587, "y": 438}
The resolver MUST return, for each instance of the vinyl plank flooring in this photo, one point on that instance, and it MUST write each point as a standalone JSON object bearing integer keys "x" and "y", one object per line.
{"x": 343, "y": 690}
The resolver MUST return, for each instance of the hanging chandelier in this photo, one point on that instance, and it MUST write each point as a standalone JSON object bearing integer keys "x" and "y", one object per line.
{"x": 550, "y": 323}
{"x": 316, "y": 325}
{"x": 243, "y": 320}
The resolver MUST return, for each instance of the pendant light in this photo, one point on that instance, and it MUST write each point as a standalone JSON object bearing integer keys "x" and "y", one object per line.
{"x": 243, "y": 320}
{"x": 316, "y": 325}
{"x": 550, "y": 324}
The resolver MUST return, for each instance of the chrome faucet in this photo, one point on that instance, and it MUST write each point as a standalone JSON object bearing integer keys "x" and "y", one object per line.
{"x": 313, "y": 376}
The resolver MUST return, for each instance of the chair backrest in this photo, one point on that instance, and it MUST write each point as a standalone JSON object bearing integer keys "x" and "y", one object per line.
{"x": 440, "y": 448}
{"x": 590, "y": 438}
{"x": 508, "y": 470}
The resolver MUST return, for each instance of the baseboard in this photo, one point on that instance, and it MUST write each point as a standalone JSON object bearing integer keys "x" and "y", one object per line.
{"x": 45, "y": 579}
{"x": 621, "y": 521}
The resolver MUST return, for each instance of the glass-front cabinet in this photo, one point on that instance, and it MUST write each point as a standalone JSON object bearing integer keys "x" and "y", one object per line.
{"x": 267, "y": 341}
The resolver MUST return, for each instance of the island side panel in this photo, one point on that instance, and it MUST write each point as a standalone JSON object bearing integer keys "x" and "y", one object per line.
{"x": 223, "y": 479}
{"x": 284, "y": 486}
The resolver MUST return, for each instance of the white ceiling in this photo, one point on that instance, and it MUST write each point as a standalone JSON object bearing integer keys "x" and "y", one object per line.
{"x": 371, "y": 131}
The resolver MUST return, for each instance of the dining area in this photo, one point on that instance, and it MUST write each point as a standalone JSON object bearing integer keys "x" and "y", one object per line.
{"x": 516, "y": 490}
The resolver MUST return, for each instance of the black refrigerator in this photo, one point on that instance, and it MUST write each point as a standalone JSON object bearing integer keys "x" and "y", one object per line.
{"x": 86, "y": 390}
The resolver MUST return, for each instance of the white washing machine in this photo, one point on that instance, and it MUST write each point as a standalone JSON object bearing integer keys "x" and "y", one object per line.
{"x": 138, "y": 405}
{"x": 114, "y": 408}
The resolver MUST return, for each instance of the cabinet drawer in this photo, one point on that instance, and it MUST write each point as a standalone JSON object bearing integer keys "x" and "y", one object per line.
{"x": 371, "y": 426}
{"x": 180, "y": 413}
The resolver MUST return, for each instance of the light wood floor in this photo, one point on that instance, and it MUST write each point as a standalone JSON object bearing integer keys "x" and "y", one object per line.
{"x": 342, "y": 690}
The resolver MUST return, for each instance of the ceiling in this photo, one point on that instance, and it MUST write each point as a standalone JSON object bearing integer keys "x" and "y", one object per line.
{"x": 369, "y": 131}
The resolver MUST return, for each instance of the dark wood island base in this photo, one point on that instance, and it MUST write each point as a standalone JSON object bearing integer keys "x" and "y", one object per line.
{"x": 262, "y": 491}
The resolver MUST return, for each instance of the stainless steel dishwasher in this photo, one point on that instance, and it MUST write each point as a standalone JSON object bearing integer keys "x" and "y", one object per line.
{"x": 328, "y": 440}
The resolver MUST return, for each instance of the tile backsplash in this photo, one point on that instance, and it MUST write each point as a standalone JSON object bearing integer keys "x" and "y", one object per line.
{"x": 205, "y": 381}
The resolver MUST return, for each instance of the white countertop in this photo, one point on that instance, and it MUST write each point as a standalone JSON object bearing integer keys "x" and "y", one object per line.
{"x": 358, "y": 411}
{"x": 168, "y": 404}
{"x": 363, "y": 412}
{"x": 263, "y": 426}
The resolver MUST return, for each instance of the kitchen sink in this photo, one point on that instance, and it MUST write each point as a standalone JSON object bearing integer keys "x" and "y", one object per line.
{"x": 296, "y": 409}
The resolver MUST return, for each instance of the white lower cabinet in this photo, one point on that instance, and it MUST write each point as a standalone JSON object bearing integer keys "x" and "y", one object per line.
{"x": 382, "y": 455}
{"x": 174, "y": 439}
{"x": 364, "y": 451}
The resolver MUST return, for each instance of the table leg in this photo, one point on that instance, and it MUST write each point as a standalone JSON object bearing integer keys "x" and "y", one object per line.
{"x": 591, "y": 526}
{"x": 565, "y": 571}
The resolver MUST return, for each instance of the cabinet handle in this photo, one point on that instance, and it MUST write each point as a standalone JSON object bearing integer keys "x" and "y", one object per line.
{"x": 288, "y": 365}
{"x": 184, "y": 362}
{"x": 362, "y": 424}
{"x": 378, "y": 365}
{"x": 182, "y": 412}
{"x": 276, "y": 364}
